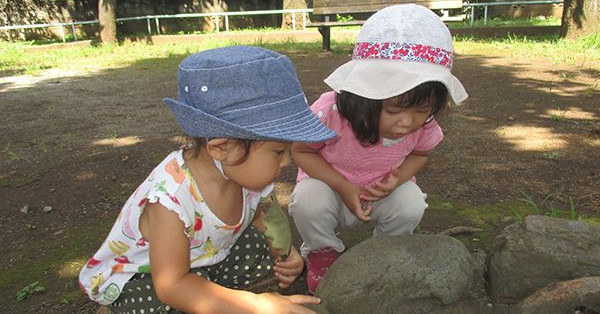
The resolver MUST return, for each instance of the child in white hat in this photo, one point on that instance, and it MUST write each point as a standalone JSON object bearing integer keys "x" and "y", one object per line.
{"x": 186, "y": 239}
{"x": 383, "y": 110}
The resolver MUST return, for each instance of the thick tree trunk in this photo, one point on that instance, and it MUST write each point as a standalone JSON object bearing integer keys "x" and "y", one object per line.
{"x": 107, "y": 15}
{"x": 580, "y": 17}
{"x": 288, "y": 20}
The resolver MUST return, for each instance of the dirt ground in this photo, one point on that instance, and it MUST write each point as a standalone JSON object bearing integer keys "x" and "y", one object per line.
{"x": 82, "y": 143}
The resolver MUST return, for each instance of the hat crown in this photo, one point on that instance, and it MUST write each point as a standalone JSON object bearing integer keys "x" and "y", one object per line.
{"x": 406, "y": 24}
{"x": 228, "y": 82}
{"x": 244, "y": 92}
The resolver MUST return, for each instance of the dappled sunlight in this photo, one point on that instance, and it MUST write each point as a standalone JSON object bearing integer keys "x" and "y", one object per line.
{"x": 84, "y": 175}
{"x": 593, "y": 142}
{"x": 569, "y": 113}
{"x": 179, "y": 139}
{"x": 70, "y": 269}
{"x": 531, "y": 138}
{"x": 119, "y": 141}
{"x": 48, "y": 76}
{"x": 474, "y": 118}
{"x": 283, "y": 191}
{"x": 557, "y": 89}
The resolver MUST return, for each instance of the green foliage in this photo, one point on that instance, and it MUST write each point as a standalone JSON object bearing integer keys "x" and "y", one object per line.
{"x": 344, "y": 18}
{"x": 547, "y": 208}
{"x": 28, "y": 290}
{"x": 590, "y": 42}
{"x": 551, "y": 155}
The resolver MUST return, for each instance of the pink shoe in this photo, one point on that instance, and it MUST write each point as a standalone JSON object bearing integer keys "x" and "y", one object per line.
{"x": 317, "y": 264}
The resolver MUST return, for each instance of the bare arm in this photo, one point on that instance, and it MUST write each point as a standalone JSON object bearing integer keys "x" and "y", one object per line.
{"x": 317, "y": 167}
{"x": 185, "y": 291}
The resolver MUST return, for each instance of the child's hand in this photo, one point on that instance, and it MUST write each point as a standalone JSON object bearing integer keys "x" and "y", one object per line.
{"x": 351, "y": 196}
{"x": 384, "y": 187}
{"x": 288, "y": 270}
{"x": 276, "y": 303}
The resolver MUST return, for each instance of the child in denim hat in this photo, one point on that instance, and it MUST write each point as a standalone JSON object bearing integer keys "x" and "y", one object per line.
{"x": 383, "y": 110}
{"x": 185, "y": 240}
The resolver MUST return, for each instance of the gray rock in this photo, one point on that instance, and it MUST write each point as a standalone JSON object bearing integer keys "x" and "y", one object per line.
{"x": 398, "y": 274}
{"x": 564, "y": 297}
{"x": 533, "y": 253}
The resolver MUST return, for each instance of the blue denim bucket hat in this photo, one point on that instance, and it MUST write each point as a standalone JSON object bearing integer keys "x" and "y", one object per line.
{"x": 244, "y": 92}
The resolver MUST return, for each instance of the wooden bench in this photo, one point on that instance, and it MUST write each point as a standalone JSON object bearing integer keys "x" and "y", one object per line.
{"x": 328, "y": 10}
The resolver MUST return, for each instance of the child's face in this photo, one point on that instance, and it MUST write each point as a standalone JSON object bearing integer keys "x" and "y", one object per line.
{"x": 398, "y": 120}
{"x": 262, "y": 166}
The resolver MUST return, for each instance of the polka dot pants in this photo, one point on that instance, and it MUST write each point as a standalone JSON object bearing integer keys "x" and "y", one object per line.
{"x": 249, "y": 262}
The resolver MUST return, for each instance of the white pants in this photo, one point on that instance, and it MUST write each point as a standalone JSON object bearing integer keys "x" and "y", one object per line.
{"x": 317, "y": 210}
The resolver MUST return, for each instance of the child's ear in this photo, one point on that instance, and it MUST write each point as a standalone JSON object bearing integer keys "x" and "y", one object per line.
{"x": 219, "y": 148}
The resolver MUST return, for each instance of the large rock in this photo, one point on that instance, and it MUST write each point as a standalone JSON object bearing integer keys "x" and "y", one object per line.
{"x": 398, "y": 274}
{"x": 564, "y": 297}
{"x": 531, "y": 254}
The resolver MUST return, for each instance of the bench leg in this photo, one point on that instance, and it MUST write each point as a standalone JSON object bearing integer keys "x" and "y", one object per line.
{"x": 326, "y": 33}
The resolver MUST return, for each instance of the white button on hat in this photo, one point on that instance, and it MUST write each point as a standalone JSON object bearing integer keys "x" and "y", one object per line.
{"x": 204, "y": 88}
{"x": 186, "y": 88}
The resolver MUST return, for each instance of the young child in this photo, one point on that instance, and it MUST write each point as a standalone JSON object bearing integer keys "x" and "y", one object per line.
{"x": 382, "y": 109}
{"x": 184, "y": 238}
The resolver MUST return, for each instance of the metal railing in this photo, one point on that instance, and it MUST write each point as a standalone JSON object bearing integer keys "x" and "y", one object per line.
{"x": 216, "y": 16}
{"x": 485, "y": 6}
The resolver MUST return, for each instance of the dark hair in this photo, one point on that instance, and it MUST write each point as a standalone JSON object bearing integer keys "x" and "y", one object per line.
{"x": 200, "y": 143}
{"x": 363, "y": 113}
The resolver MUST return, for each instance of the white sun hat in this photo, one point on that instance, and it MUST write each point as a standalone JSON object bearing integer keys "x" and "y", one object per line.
{"x": 397, "y": 49}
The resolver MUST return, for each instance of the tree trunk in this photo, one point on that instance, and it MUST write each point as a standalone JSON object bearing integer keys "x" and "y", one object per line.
{"x": 107, "y": 15}
{"x": 289, "y": 20}
{"x": 580, "y": 17}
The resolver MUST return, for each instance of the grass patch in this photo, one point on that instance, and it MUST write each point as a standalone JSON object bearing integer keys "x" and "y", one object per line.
{"x": 501, "y": 22}
{"x": 492, "y": 218}
{"x": 560, "y": 51}
{"x": 56, "y": 271}
{"x": 14, "y": 58}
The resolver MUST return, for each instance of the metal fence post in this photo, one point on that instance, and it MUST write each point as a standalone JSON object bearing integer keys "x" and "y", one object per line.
{"x": 226, "y": 23}
{"x": 485, "y": 15}
{"x": 303, "y": 20}
{"x": 157, "y": 26}
{"x": 62, "y": 33}
{"x": 74, "y": 32}
{"x": 149, "y": 28}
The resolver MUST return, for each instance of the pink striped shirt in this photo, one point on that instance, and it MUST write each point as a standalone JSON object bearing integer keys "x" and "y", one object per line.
{"x": 362, "y": 165}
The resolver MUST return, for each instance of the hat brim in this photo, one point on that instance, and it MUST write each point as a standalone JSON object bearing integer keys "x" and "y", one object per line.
{"x": 382, "y": 79}
{"x": 197, "y": 123}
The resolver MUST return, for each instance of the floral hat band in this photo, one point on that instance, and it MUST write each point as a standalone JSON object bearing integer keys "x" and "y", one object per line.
{"x": 403, "y": 51}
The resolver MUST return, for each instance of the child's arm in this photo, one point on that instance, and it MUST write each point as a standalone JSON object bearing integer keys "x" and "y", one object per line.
{"x": 188, "y": 292}
{"x": 409, "y": 168}
{"x": 317, "y": 167}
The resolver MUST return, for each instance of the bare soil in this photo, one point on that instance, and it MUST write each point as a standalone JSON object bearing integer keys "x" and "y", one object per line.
{"x": 82, "y": 143}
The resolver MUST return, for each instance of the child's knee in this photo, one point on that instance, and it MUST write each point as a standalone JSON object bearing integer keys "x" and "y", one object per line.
{"x": 308, "y": 199}
{"x": 403, "y": 208}
{"x": 301, "y": 209}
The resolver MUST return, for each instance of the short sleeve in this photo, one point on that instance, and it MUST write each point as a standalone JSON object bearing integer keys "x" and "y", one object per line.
{"x": 325, "y": 109}
{"x": 167, "y": 188}
{"x": 431, "y": 135}
{"x": 267, "y": 191}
